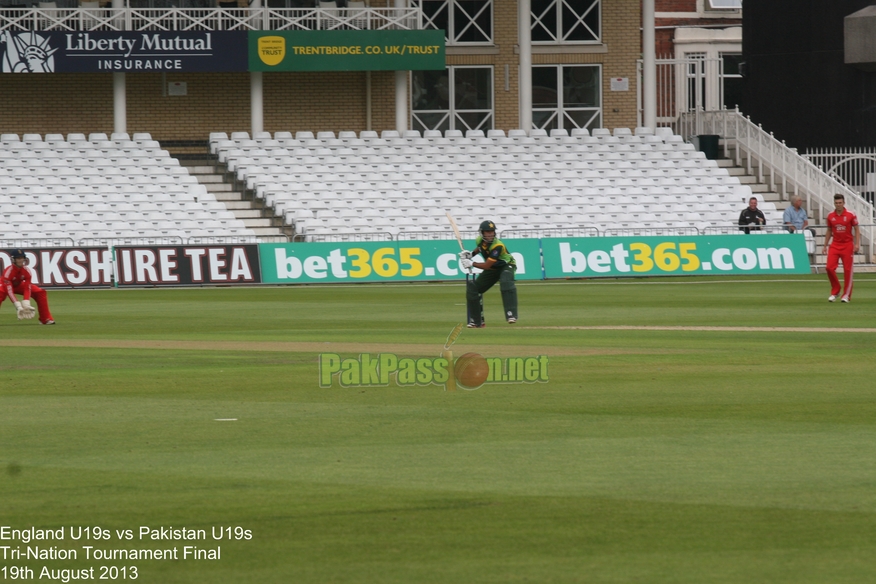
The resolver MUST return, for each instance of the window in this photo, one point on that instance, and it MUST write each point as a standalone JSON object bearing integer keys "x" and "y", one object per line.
{"x": 695, "y": 74}
{"x": 566, "y": 21}
{"x": 732, "y": 85}
{"x": 463, "y": 21}
{"x": 567, "y": 96}
{"x": 458, "y": 98}
{"x": 724, "y": 4}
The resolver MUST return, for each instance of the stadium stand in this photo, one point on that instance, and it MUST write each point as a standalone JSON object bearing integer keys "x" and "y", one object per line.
{"x": 104, "y": 187}
{"x": 620, "y": 182}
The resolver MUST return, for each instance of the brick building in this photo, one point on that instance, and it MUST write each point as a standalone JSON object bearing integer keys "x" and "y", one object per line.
{"x": 579, "y": 48}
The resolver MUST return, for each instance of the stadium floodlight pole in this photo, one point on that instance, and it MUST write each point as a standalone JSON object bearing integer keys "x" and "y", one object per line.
{"x": 524, "y": 42}
{"x": 649, "y": 69}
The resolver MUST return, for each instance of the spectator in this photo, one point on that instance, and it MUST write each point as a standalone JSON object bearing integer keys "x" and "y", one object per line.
{"x": 751, "y": 215}
{"x": 795, "y": 217}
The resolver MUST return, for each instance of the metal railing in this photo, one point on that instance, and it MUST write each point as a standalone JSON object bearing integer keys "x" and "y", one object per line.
{"x": 236, "y": 239}
{"x": 736, "y": 229}
{"x": 140, "y": 240}
{"x": 536, "y": 233}
{"x": 853, "y": 167}
{"x": 31, "y": 242}
{"x": 656, "y": 231}
{"x": 683, "y": 85}
{"x": 341, "y": 237}
{"x": 783, "y": 166}
{"x": 208, "y": 19}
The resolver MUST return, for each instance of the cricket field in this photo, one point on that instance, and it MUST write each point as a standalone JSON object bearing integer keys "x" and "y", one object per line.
{"x": 688, "y": 430}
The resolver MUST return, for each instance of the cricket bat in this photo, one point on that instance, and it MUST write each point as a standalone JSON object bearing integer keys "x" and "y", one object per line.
{"x": 461, "y": 248}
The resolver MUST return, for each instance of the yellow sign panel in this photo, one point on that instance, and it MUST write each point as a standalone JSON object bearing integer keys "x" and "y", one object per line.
{"x": 272, "y": 50}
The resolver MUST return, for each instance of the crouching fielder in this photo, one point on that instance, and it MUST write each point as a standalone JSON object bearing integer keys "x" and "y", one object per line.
{"x": 17, "y": 279}
{"x": 498, "y": 266}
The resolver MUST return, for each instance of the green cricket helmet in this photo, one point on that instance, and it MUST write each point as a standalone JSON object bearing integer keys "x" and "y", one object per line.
{"x": 487, "y": 226}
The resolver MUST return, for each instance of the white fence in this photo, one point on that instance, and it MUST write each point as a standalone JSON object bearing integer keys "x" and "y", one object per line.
{"x": 853, "y": 167}
{"x": 200, "y": 19}
{"x": 787, "y": 171}
{"x": 683, "y": 85}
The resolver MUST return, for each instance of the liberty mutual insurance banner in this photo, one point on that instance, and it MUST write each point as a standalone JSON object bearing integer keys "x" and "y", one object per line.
{"x": 122, "y": 51}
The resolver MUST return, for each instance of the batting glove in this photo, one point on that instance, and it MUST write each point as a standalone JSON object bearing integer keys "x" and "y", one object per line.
{"x": 465, "y": 255}
{"x": 466, "y": 264}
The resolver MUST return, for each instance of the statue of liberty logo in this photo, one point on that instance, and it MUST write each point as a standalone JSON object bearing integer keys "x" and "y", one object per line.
{"x": 26, "y": 52}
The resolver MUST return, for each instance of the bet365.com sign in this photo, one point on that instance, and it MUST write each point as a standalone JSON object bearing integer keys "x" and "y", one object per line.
{"x": 588, "y": 257}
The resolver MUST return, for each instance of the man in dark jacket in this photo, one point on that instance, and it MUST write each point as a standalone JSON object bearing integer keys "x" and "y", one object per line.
{"x": 751, "y": 215}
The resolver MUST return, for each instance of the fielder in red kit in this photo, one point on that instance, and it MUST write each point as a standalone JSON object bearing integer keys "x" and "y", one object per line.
{"x": 17, "y": 279}
{"x": 844, "y": 240}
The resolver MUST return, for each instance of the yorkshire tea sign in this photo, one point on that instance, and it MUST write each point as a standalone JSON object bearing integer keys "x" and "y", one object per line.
{"x": 346, "y": 50}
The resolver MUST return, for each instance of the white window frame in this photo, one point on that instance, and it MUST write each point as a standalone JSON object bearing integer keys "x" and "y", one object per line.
{"x": 450, "y": 6}
{"x": 560, "y": 110}
{"x": 724, "y": 4}
{"x": 488, "y": 121}
{"x": 558, "y": 35}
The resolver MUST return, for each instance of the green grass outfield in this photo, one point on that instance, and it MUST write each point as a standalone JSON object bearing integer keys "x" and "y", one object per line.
{"x": 659, "y": 455}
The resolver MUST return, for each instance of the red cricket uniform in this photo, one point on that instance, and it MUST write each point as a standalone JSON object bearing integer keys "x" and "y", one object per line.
{"x": 842, "y": 247}
{"x": 17, "y": 280}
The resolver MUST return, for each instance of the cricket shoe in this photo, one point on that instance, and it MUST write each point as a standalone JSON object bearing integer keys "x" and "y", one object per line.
{"x": 50, "y": 321}
{"x": 511, "y": 320}
{"x": 473, "y": 325}
{"x": 831, "y": 298}
{"x": 845, "y": 299}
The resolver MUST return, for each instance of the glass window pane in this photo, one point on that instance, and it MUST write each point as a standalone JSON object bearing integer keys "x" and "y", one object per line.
{"x": 473, "y": 88}
{"x": 474, "y": 121}
{"x": 430, "y": 90}
{"x": 731, "y": 63}
{"x": 436, "y": 15}
{"x": 544, "y": 18}
{"x": 545, "y": 119}
{"x": 580, "y": 20}
{"x": 472, "y": 21}
{"x": 724, "y": 4}
{"x": 581, "y": 119}
{"x": 436, "y": 121}
{"x": 581, "y": 86}
{"x": 544, "y": 87}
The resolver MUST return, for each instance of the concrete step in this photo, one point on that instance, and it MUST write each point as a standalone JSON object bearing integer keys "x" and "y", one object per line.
{"x": 209, "y": 178}
{"x": 246, "y": 213}
{"x": 201, "y": 170}
{"x": 237, "y": 205}
{"x": 267, "y": 231}
{"x": 253, "y": 223}
{"x": 226, "y": 195}
{"x": 220, "y": 187}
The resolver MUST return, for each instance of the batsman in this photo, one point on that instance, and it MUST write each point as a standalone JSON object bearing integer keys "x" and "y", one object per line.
{"x": 498, "y": 266}
{"x": 16, "y": 279}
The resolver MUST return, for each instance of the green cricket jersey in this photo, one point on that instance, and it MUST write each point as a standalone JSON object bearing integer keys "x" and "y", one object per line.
{"x": 495, "y": 250}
